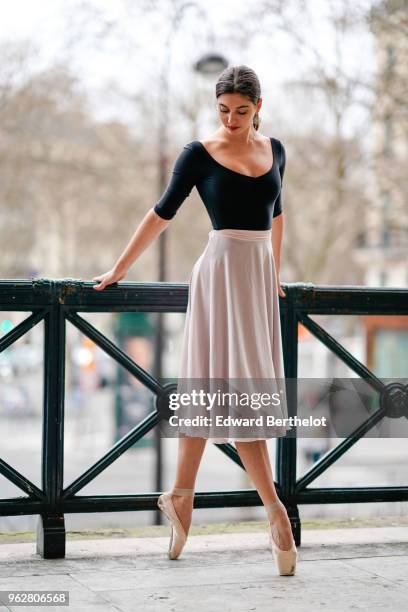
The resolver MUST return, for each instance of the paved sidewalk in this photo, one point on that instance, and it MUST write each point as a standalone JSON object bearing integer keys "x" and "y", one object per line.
{"x": 338, "y": 570}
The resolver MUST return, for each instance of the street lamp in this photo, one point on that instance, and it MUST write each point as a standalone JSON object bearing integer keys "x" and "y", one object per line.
{"x": 210, "y": 63}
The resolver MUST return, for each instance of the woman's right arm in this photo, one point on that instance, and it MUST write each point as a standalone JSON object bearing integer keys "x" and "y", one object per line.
{"x": 184, "y": 177}
{"x": 149, "y": 229}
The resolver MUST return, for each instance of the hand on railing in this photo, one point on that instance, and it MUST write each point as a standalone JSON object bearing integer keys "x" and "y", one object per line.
{"x": 281, "y": 292}
{"x": 110, "y": 277}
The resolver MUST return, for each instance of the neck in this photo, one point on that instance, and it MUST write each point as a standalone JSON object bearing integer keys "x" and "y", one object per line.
{"x": 244, "y": 138}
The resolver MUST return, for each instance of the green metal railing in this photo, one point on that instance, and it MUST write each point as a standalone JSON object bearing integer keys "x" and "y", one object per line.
{"x": 56, "y": 302}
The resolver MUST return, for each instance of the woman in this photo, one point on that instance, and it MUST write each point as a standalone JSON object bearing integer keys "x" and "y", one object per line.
{"x": 232, "y": 328}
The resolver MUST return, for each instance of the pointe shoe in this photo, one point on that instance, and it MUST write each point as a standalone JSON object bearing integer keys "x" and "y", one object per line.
{"x": 285, "y": 560}
{"x": 178, "y": 536}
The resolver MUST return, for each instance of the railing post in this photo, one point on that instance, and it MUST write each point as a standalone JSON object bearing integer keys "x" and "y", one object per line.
{"x": 51, "y": 525}
{"x": 286, "y": 448}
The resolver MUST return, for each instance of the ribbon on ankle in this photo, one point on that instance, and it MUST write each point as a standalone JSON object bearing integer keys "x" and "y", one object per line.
{"x": 179, "y": 491}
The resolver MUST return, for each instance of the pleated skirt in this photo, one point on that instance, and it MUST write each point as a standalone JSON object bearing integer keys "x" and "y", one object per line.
{"x": 232, "y": 330}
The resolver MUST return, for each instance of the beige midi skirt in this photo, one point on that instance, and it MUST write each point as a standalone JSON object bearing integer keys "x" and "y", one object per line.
{"x": 232, "y": 332}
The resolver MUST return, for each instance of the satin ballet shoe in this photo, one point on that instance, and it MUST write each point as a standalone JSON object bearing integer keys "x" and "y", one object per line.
{"x": 178, "y": 536}
{"x": 285, "y": 560}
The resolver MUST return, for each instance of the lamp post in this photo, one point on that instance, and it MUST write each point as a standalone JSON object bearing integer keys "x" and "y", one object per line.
{"x": 210, "y": 63}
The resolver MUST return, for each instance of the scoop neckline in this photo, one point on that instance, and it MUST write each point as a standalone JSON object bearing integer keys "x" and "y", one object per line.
{"x": 240, "y": 173}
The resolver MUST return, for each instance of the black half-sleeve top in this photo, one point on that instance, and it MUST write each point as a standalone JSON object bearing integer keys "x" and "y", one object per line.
{"x": 233, "y": 200}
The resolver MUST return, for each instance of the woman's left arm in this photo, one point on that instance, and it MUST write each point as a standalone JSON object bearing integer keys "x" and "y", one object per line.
{"x": 277, "y": 220}
{"x": 277, "y": 233}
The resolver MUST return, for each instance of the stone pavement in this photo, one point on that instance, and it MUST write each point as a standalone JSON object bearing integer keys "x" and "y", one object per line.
{"x": 338, "y": 570}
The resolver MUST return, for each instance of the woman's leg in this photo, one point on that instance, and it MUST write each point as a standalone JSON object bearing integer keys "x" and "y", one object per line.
{"x": 255, "y": 457}
{"x": 190, "y": 452}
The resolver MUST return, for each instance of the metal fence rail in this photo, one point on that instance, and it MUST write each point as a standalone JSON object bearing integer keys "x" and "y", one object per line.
{"x": 56, "y": 302}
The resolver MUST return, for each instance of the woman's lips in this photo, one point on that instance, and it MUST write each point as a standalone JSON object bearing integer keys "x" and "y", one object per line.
{"x": 232, "y": 128}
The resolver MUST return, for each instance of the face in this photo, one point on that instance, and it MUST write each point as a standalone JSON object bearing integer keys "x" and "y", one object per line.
{"x": 236, "y": 112}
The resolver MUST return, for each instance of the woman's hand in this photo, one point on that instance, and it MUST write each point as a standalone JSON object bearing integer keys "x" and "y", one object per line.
{"x": 113, "y": 276}
{"x": 281, "y": 292}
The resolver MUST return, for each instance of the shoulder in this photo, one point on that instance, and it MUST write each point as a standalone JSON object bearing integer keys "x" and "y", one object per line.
{"x": 194, "y": 153}
{"x": 278, "y": 143}
{"x": 188, "y": 154}
{"x": 188, "y": 162}
{"x": 281, "y": 151}
{"x": 193, "y": 146}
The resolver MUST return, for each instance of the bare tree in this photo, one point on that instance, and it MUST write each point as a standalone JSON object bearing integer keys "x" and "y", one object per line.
{"x": 328, "y": 164}
{"x": 69, "y": 184}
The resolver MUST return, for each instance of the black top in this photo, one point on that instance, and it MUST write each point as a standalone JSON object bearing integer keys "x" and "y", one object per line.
{"x": 233, "y": 200}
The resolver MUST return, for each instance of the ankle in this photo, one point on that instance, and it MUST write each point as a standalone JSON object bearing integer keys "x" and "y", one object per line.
{"x": 275, "y": 505}
{"x": 179, "y": 491}
{"x": 273, "y": 508}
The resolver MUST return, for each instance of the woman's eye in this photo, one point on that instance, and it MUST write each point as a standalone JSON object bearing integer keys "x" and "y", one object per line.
{"x": 224, "y": 111}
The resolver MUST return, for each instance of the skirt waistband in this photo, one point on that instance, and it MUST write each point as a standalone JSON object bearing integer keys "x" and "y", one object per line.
{"x": 242, "y": 234}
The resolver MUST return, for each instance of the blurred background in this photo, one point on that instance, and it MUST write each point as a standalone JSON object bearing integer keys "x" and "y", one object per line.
{"x": 97, "y": 99}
